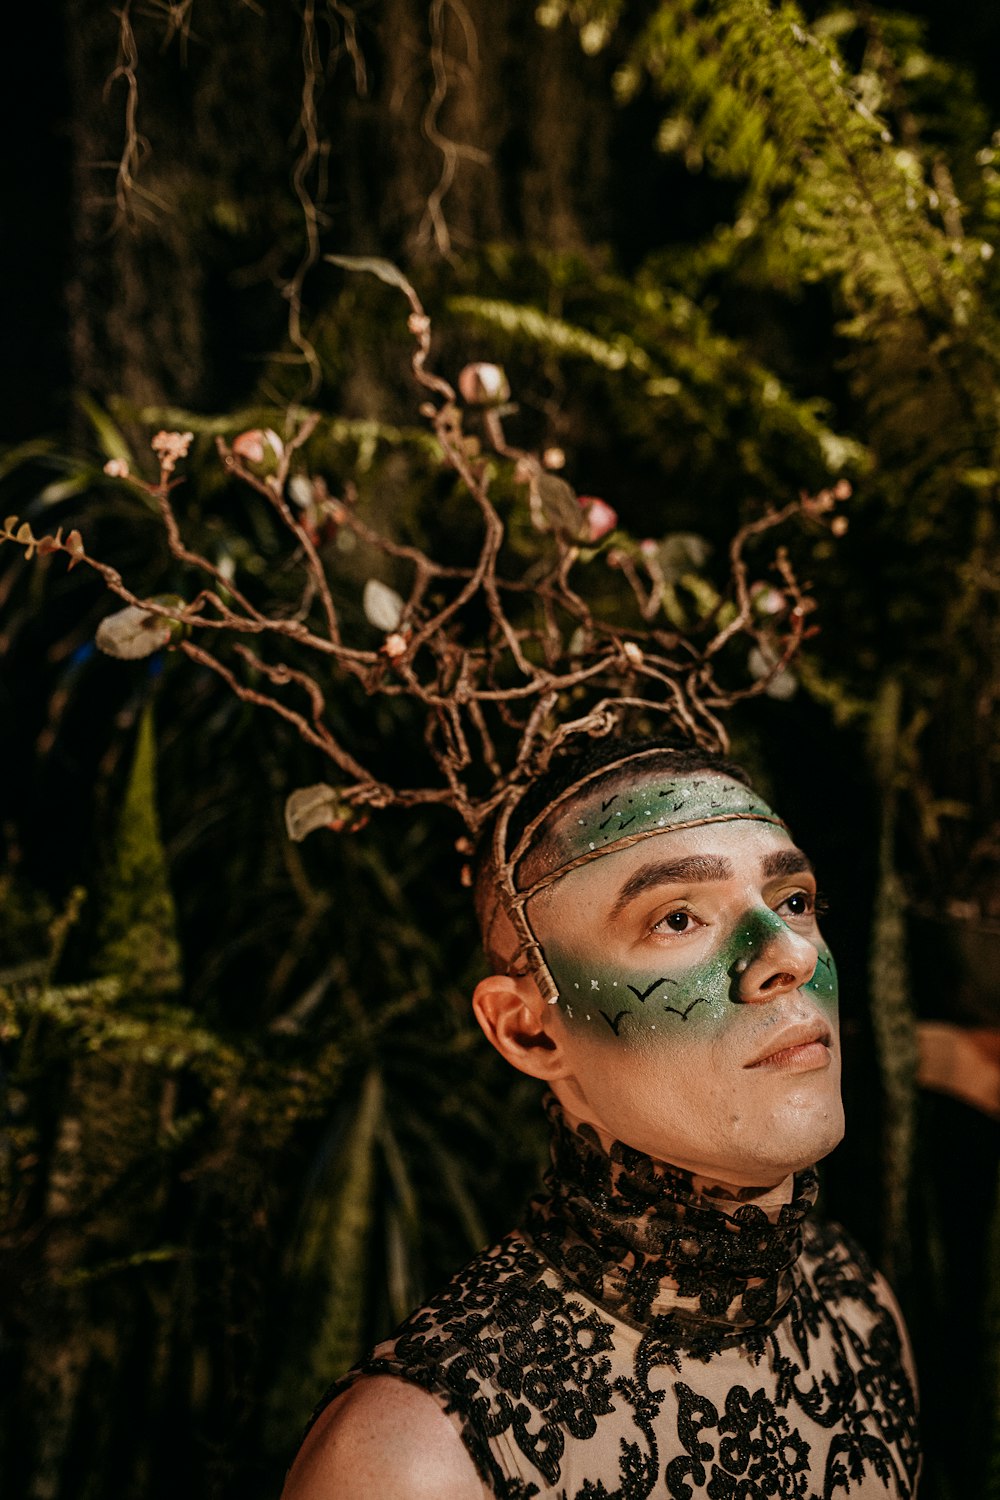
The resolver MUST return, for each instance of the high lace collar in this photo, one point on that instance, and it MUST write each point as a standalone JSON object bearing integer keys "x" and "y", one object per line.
{"x": 646, "y": 1240}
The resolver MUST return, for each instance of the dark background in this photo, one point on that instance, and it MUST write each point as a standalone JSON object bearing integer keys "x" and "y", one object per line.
{"x": 184, "y": 309}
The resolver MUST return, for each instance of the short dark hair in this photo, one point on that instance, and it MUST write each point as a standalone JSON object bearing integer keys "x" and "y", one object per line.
{"x": 567, "y": 769}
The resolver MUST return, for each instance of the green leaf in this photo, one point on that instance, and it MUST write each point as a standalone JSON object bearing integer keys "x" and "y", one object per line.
{"x": 138, "y": 927}
{"x": 65, "y": 489}
{"x": 110, "y": 438}
{"x": 329, "y": 1271}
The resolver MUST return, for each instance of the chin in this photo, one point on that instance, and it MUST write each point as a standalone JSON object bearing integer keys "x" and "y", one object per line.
{"x": 788, "y": 1145}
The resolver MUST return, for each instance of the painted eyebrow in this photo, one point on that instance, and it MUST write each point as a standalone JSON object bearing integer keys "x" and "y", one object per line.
{"x": 694, "y": 868}
{"x": 786, "y": 862}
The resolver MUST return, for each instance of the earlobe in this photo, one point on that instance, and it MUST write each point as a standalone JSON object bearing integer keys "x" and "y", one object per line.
{"x": 519, "y": 1024}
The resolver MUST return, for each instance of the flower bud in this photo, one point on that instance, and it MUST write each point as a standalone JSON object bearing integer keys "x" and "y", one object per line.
{"x": 484, "y": 385}
{"x": 599, "y": 517}
{"x": 258, "y": 446}
{"x": 767, "y": 600}
{"x": 169, "y": 447}
{"x": 394, "y": 645}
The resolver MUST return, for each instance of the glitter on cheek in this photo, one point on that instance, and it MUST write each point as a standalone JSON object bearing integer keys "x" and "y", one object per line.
{"x": 677, "y": 1003}
{"x": 824, "y": 984}
{"x": 672, "y": 1005}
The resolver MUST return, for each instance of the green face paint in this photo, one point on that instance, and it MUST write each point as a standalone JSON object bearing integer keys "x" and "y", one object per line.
{"x": 660, "y": 998}
{"x": 654, "y": 991}
{"x": 646, "y": 807}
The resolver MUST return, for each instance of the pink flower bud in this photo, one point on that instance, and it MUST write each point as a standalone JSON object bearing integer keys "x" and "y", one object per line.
{"x": 250, "y": 446}
{"x": 484, "y": 385}
{"x": 599, "y": 516}
{"x": 258, "y": 446}
{"x": 117, "y": 468}
{"x": 554, "y": 458}
{"x": 767, "y": 600}
{"x": 633, "y": 653}
{"x": 394, "y": 645}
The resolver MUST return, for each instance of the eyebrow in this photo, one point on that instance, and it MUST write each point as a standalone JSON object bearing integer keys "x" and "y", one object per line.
{"x": 698, "y": 868}
{"x": 786, "y": 862}
{"x": 694, "y": 868}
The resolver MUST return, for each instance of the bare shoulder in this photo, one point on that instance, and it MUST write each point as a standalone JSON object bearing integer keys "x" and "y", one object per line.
{"x": 387, "y": 1438}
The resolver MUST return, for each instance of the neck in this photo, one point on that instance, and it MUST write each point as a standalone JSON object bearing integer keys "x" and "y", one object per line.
{"x": 705, "y": 1180}
{"x": 647, "y": 1240}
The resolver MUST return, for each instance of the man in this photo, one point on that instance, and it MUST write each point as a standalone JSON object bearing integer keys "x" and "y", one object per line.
{"x": 667, "y": 1321}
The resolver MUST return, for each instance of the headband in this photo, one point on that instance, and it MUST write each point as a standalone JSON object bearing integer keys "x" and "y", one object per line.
{"x": 514, "y": 901}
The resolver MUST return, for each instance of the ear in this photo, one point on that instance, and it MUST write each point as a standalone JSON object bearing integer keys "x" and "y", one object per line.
{"x": 520, "y": 1025}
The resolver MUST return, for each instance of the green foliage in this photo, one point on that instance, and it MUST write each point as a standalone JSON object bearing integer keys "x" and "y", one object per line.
{"x": 890, "y": 988}
{"x": 229, "y": 1185}
{"x": 328, "y": 1263}
{"x": 137, "y": 935}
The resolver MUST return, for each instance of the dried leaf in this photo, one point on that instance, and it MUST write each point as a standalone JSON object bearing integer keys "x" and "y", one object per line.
{"x": 382, "y": 606}
{"x": 132, "y": 633}
{"x": 783, "y": 685}
{"x": 312, "y": 807}
{"x": 383, "y": 269}
{"x": 74, "y": 546}
{"x": 555, "y": 507}
{"x": 679, "y": 553}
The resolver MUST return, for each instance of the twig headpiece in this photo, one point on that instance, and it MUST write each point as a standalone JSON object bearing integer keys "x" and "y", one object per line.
{"x": 507, "y": 661}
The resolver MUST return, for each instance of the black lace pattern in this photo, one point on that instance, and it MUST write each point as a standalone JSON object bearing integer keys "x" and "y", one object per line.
{"x": 641, "y": 1237}
{"x": 645, "y": 1337}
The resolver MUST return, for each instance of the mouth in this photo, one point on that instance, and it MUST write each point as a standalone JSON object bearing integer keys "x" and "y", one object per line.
{"x": 797, "y": 1049}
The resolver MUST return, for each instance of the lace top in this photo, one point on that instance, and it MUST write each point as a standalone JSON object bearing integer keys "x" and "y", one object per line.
{"x": 646, "y": 1334}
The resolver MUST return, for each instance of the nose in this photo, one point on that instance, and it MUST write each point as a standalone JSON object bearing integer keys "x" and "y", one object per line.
{"x": 774, "y": 961}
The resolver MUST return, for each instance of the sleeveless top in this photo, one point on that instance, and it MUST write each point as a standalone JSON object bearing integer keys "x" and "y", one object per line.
{"x": 645, "y": 1333}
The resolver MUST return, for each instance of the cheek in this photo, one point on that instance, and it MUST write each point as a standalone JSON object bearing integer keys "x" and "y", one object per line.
{"x": 823, "y": 985}
{"x": 627, "y": 1001}
{"x": 654, "y": 999}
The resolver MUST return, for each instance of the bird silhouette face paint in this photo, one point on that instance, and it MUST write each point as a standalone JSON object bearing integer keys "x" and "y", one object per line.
{"x": 670, "y": 936}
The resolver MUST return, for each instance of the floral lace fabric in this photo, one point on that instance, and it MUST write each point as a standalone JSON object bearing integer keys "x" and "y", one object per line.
{"x": 646, "y": 1335}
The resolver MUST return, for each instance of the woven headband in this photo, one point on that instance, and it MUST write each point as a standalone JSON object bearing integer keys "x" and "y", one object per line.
{"x": 514, "y": 902}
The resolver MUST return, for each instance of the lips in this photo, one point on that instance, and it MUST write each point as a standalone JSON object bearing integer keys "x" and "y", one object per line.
{"x": 801, "y": 1041}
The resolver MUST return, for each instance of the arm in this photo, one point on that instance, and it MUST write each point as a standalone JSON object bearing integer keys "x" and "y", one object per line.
{"x": 383, "y": 1438}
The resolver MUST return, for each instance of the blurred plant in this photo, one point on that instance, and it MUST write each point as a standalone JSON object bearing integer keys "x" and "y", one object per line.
{"x": 146, "y": 1190}
{"x": 812, "y": 300}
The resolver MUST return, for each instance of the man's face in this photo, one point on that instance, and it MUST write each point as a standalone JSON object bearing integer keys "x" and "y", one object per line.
{"x": 697, "y": 1000}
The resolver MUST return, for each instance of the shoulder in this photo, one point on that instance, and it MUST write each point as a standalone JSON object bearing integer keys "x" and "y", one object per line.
{"x": 853, "y": 1289}
{"x": 387, "y": 1438}
{"x": 406, "y": 1424}
{"x": 835, "y": 1259}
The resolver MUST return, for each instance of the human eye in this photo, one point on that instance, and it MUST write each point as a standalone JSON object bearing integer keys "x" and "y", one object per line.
{"x": 678, "y": 921}
{"x": 799, "y": 905}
